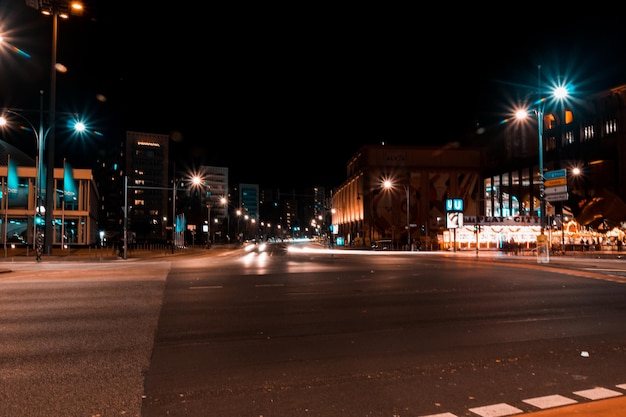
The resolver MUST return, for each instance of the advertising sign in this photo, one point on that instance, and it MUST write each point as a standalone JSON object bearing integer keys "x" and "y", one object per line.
{"x": 454, "y": 220}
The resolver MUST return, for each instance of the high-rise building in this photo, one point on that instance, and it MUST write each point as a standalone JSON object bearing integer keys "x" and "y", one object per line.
{"x": 249, "y": 206}
{"x": 147, "y": 168}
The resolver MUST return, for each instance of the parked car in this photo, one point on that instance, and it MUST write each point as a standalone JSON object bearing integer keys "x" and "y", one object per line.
{"x": 16, "y": 239}
{"x": 383, "y": 244}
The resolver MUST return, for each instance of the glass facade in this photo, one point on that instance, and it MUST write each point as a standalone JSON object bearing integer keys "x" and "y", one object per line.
{"x": 74, "y": 213}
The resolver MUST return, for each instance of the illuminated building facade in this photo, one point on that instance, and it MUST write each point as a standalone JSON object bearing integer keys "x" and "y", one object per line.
{"x": 75, "y": 204}
{"x": 365, "y": 212}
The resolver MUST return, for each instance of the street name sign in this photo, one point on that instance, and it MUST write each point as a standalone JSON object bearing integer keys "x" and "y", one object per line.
{"x": 556, "y": 197}
{"x": 559, "y": 173}
{"x": 555, "y": 181}
{"x": 561, "y": 189}
{"x": 555, "y": 185}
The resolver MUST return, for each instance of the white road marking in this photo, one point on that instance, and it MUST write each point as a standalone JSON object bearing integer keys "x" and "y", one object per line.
{"x": 549, "y": 401}
{"x": 598, "y": 393}
{"x": 496, "y": 410}
{"x": 206, "y": 287}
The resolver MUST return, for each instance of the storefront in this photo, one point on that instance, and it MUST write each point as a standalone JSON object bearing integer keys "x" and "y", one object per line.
{"x": 519, "y": 234}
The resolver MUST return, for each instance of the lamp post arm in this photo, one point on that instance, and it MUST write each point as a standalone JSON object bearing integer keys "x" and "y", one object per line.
{"x": 36, "y": 132}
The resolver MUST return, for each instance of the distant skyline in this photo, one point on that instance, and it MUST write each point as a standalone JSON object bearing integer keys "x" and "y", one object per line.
{"x": 286, "y": 102}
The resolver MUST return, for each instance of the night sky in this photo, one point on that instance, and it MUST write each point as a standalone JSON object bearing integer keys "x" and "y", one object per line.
{"x": 284, "y": 98}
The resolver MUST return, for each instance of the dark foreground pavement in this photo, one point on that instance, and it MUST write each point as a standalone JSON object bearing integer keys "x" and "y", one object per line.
{"x": 582, "y": 263}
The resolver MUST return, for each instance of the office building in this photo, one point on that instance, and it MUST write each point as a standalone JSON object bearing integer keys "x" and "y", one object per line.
{"x": 146, "y": 157}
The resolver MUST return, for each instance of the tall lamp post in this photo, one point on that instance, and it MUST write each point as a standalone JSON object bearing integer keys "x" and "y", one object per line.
{"x": 388, "y": 184}
{"x": 41, "y": 138}
{"x": 199, "y": 182}
{"x": 542, "y": 243}
{"x": 208, "y": 223}
{"x": 56, "y": 9}
{"x": 224, "y": 202}
{"x": 559, "y": 93}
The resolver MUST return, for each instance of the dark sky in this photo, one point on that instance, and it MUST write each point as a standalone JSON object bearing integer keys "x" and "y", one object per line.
{"x": 285, "y": 97}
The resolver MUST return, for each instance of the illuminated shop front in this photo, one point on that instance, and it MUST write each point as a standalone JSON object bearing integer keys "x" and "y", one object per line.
{"x": 75, "y": 210}
{"x": 519, "y": 233}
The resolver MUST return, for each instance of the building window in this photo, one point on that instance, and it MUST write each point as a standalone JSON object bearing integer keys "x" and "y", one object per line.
{"x": 588, "y": 133}
{"x": 610, "y": 126}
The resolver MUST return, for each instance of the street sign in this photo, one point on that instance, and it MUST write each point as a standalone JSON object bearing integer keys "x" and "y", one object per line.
{"x": 454, "y": 204}
{"x": 454, "y": 220}
{"x": 561, "y": 189}
{"x": 555, "y": 181}
{"x": 559, "y": 173}
{"x": 556, "y": 197}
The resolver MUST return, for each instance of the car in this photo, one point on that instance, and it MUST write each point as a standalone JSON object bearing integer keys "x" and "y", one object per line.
{"x": 383, "y": 244}
{"x": 16, "y": 239}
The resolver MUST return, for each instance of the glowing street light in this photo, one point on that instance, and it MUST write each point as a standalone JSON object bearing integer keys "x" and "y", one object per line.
{"x": 198, "y": 181}
{"x": 224, "y": 202}
{"x": 55, "y": 9}
{"x": 558, "y": 93}
{"x": 387, "y": 184}
{"x": 6, "y": 116}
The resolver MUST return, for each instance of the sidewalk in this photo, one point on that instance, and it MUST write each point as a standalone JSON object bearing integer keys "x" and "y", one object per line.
{"x": 21, "y": 255}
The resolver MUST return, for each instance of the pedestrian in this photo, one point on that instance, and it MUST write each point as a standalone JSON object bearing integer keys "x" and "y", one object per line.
{"x": 120, "y": 248}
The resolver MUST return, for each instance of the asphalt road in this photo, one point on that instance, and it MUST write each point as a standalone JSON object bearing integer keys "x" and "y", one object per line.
{"x": 234, "y": 334}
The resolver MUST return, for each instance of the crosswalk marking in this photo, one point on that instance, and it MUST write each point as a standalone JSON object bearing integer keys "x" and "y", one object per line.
{"x": 549, "y": 401}
{"x": 545, "y": 402}
{"x": 496, "y": 410}
{"x": 598, "y": 393}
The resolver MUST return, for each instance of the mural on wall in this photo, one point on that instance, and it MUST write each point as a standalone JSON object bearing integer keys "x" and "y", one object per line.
{"x": 389, "y": 206}
{"x": 439, "y": 183}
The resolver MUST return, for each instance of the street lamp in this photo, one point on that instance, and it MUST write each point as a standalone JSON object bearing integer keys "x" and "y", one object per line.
{"x": 224, "y": 202}
{"x": 55, "y": 9}
{"x": 197, "y": 181}
{"x": 388, "y": 185}
{"x": 559, "y": 92}
{"x": 41, "y": 137}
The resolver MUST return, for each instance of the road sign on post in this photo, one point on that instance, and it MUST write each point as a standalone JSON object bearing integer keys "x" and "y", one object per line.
{"x": 559, "y": 173}
{"x": 555, "y": 185}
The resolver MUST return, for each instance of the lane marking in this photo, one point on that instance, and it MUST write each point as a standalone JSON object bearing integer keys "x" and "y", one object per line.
{"x": 206, "y": 287}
